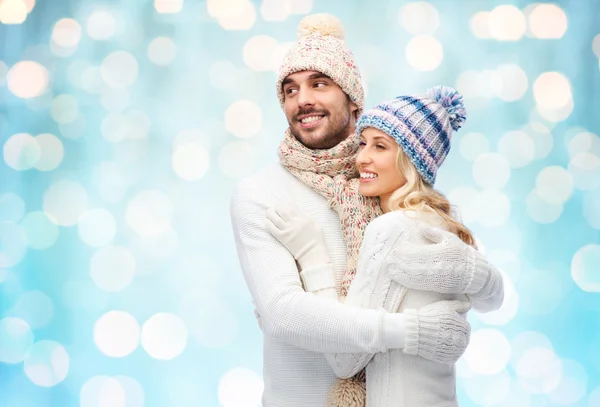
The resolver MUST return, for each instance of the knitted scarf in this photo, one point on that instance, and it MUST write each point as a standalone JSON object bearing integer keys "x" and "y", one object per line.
{"x": 333, "y": 174}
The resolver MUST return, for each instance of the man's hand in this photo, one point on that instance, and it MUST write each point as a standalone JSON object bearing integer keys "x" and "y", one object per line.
{"x": 299, "y": 233}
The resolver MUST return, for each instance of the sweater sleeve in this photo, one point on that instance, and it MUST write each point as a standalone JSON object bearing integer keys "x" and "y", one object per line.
{"x": 289, "y": 313}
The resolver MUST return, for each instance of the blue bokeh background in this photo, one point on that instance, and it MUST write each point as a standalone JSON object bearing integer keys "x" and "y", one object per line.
{"x": 126, "y": 124}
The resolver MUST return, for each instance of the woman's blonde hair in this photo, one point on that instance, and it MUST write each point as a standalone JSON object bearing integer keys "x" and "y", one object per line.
{"x": 417, "y": 195}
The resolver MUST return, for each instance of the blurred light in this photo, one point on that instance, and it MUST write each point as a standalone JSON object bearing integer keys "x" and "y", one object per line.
{"x": 507, "y": 23}
{"x": 472, "y": 145}
{"x": 65, "y": 109}
{"x": 232, "y": 14}
{"x": 488, "y": 352}
{"x": 591, "y": 203}
{"x": 51, "y": 152}
{"x": 491, "y": 170}
{"x": 66, "y": 33}
{"x": 13, "y": 11}
{"x": 158, "y": 247}
{"x": 517, "y": 147}
{"x": 585, "y": 171}
{"x": 17, "y": 340}
{"x": 276, "y": 10}
{"x": 465, "y": 199}
{"x": 140, "y": 124}
{"x": 509, "y": 307}
{"x": 424, "y": 53}
{"x": 543, "y": 299}
{"x": 584, "y": 268}
{"x": 12, "y": 207}
{"x": 47, "y": 363}
{"x": 547, "y": 21}
{"x": 554, "y": 185}
{"x": 110, "y": 181}
{"x": 509, "y": 82}
{"x": 102, "y": 391}
{"x": 21, "y": 151}
{"x": 488, "y": 390}
{"x": 572, "y": 386}
{"x": 542, "y": 139}
{"x": 556, "y": 115}
{"x": 190, "y": 161}
{"x": 3, "y": 73}
{"x": 112, "y": 268}
{"x": 29, "y": 5}
{"x": 134, "y": 393}
{"x": 74, "y": 129}
{"x": 542, "y": 211}
{"x": 64, "y": 202}
{"x": 222, "y": 74}
{"x": 101, "y": 25}
{"x": 480, "y": 24}
{"x": 301, "y": 6}
{"x": 552, "y": 90}
{"x": 13, "y": 244}
{"x": 240, "y": 387}
{"x": 596, "y": 45}
{"x": 243, "y": 118}
{"x": 115, "y": 127}
{"x": 164, "y": 336}
{"x": 149, "y": 213}
{"x": 114, "y": 100}
{"x": 97, "y": 227}
{"x": 258, "y": 52}
{"x": 419, "y": 18}
{"x": 475, "y": 84}
{"x": 35, "y": 307}
{"x": 168, "y": 6}
{"x": 539, "y": 370}
{"x": 237, "y": 159}
{"x": 119, "y": 69}
{"x": 279, "y": 53}
{"x": 162, "y": 50}
{"x": 582, "y": 142}
{"x": 116, "y": 334}
{"x": 494, "y": 208}
{"x": 27, "y": 79}
{"x": 41, "y": 232}
{"x": 91, "y": 80}
{"x": 211, "y": 322}
{"x": 525, "y": 341}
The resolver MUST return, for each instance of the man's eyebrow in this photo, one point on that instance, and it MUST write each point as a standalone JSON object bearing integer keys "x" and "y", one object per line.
{"x": 287, "y": 81}
{"x": 318, "y": 75}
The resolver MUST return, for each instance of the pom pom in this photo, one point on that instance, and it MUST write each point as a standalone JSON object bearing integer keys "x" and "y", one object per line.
{"x": 323, "y": 24}
{"x": 349, "y": 392}
{"x": 452, "y": 101}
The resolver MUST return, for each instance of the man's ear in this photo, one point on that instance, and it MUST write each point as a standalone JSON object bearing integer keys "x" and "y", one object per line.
{"x": 353, "y": 108}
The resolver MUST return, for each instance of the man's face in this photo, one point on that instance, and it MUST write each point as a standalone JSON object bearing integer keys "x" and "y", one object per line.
{"x": 318, "y": 111}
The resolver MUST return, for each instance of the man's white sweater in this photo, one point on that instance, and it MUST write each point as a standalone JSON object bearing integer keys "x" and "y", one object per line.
{"x": 298, "y": 326}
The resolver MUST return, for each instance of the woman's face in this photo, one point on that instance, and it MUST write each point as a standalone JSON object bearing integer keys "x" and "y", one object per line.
{"x": 376, "y": 162}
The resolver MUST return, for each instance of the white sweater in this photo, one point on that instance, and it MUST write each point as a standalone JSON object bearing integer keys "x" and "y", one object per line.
{"x": 395, "y": 378}
{"x": 299, "y": 327}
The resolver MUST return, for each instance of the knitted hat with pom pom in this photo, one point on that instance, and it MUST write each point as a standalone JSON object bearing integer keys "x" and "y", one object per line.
{"x": 321, "y": 47}
{"x": 421, "y": 125}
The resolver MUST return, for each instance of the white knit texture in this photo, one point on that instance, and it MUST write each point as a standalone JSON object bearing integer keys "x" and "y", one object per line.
{"x": 296, "y": 324}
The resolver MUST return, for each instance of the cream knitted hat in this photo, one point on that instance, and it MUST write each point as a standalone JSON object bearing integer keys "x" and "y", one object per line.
{"x": 321, "y": 47}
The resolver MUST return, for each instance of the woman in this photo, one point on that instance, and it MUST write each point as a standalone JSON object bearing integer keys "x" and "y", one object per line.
{"x": 412, "y": 256}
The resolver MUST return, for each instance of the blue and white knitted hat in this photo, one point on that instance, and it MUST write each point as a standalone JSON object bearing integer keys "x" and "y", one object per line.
{"x": 421, "y": 125}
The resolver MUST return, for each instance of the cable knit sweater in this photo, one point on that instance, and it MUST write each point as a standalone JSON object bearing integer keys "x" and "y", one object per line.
{"x": 399, "y": 378}
{"x": 299, "y": 326}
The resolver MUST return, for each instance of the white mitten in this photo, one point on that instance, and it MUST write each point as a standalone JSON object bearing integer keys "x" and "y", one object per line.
{"x": 437, "y": 260}
{"x": 299, "y": 233}
{"x": 438, "y": 332}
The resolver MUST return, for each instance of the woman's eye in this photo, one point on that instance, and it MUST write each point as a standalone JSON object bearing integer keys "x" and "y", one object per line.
{"x": 381, "y": 146}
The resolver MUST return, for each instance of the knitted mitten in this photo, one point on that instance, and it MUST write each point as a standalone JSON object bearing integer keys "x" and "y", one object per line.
{"x": 350, "y": 392}
{"x": 438, "y": 332}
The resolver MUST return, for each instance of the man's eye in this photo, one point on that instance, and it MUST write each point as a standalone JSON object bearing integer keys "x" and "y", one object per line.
{"x": 290, "y": 90}
{"x": 320, "y": 84}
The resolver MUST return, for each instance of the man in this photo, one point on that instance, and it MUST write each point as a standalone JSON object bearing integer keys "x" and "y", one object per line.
{"x": 320, "y": 90}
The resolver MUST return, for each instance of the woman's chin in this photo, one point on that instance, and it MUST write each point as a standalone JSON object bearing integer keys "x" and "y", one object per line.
{"x": 365, "y": 190}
